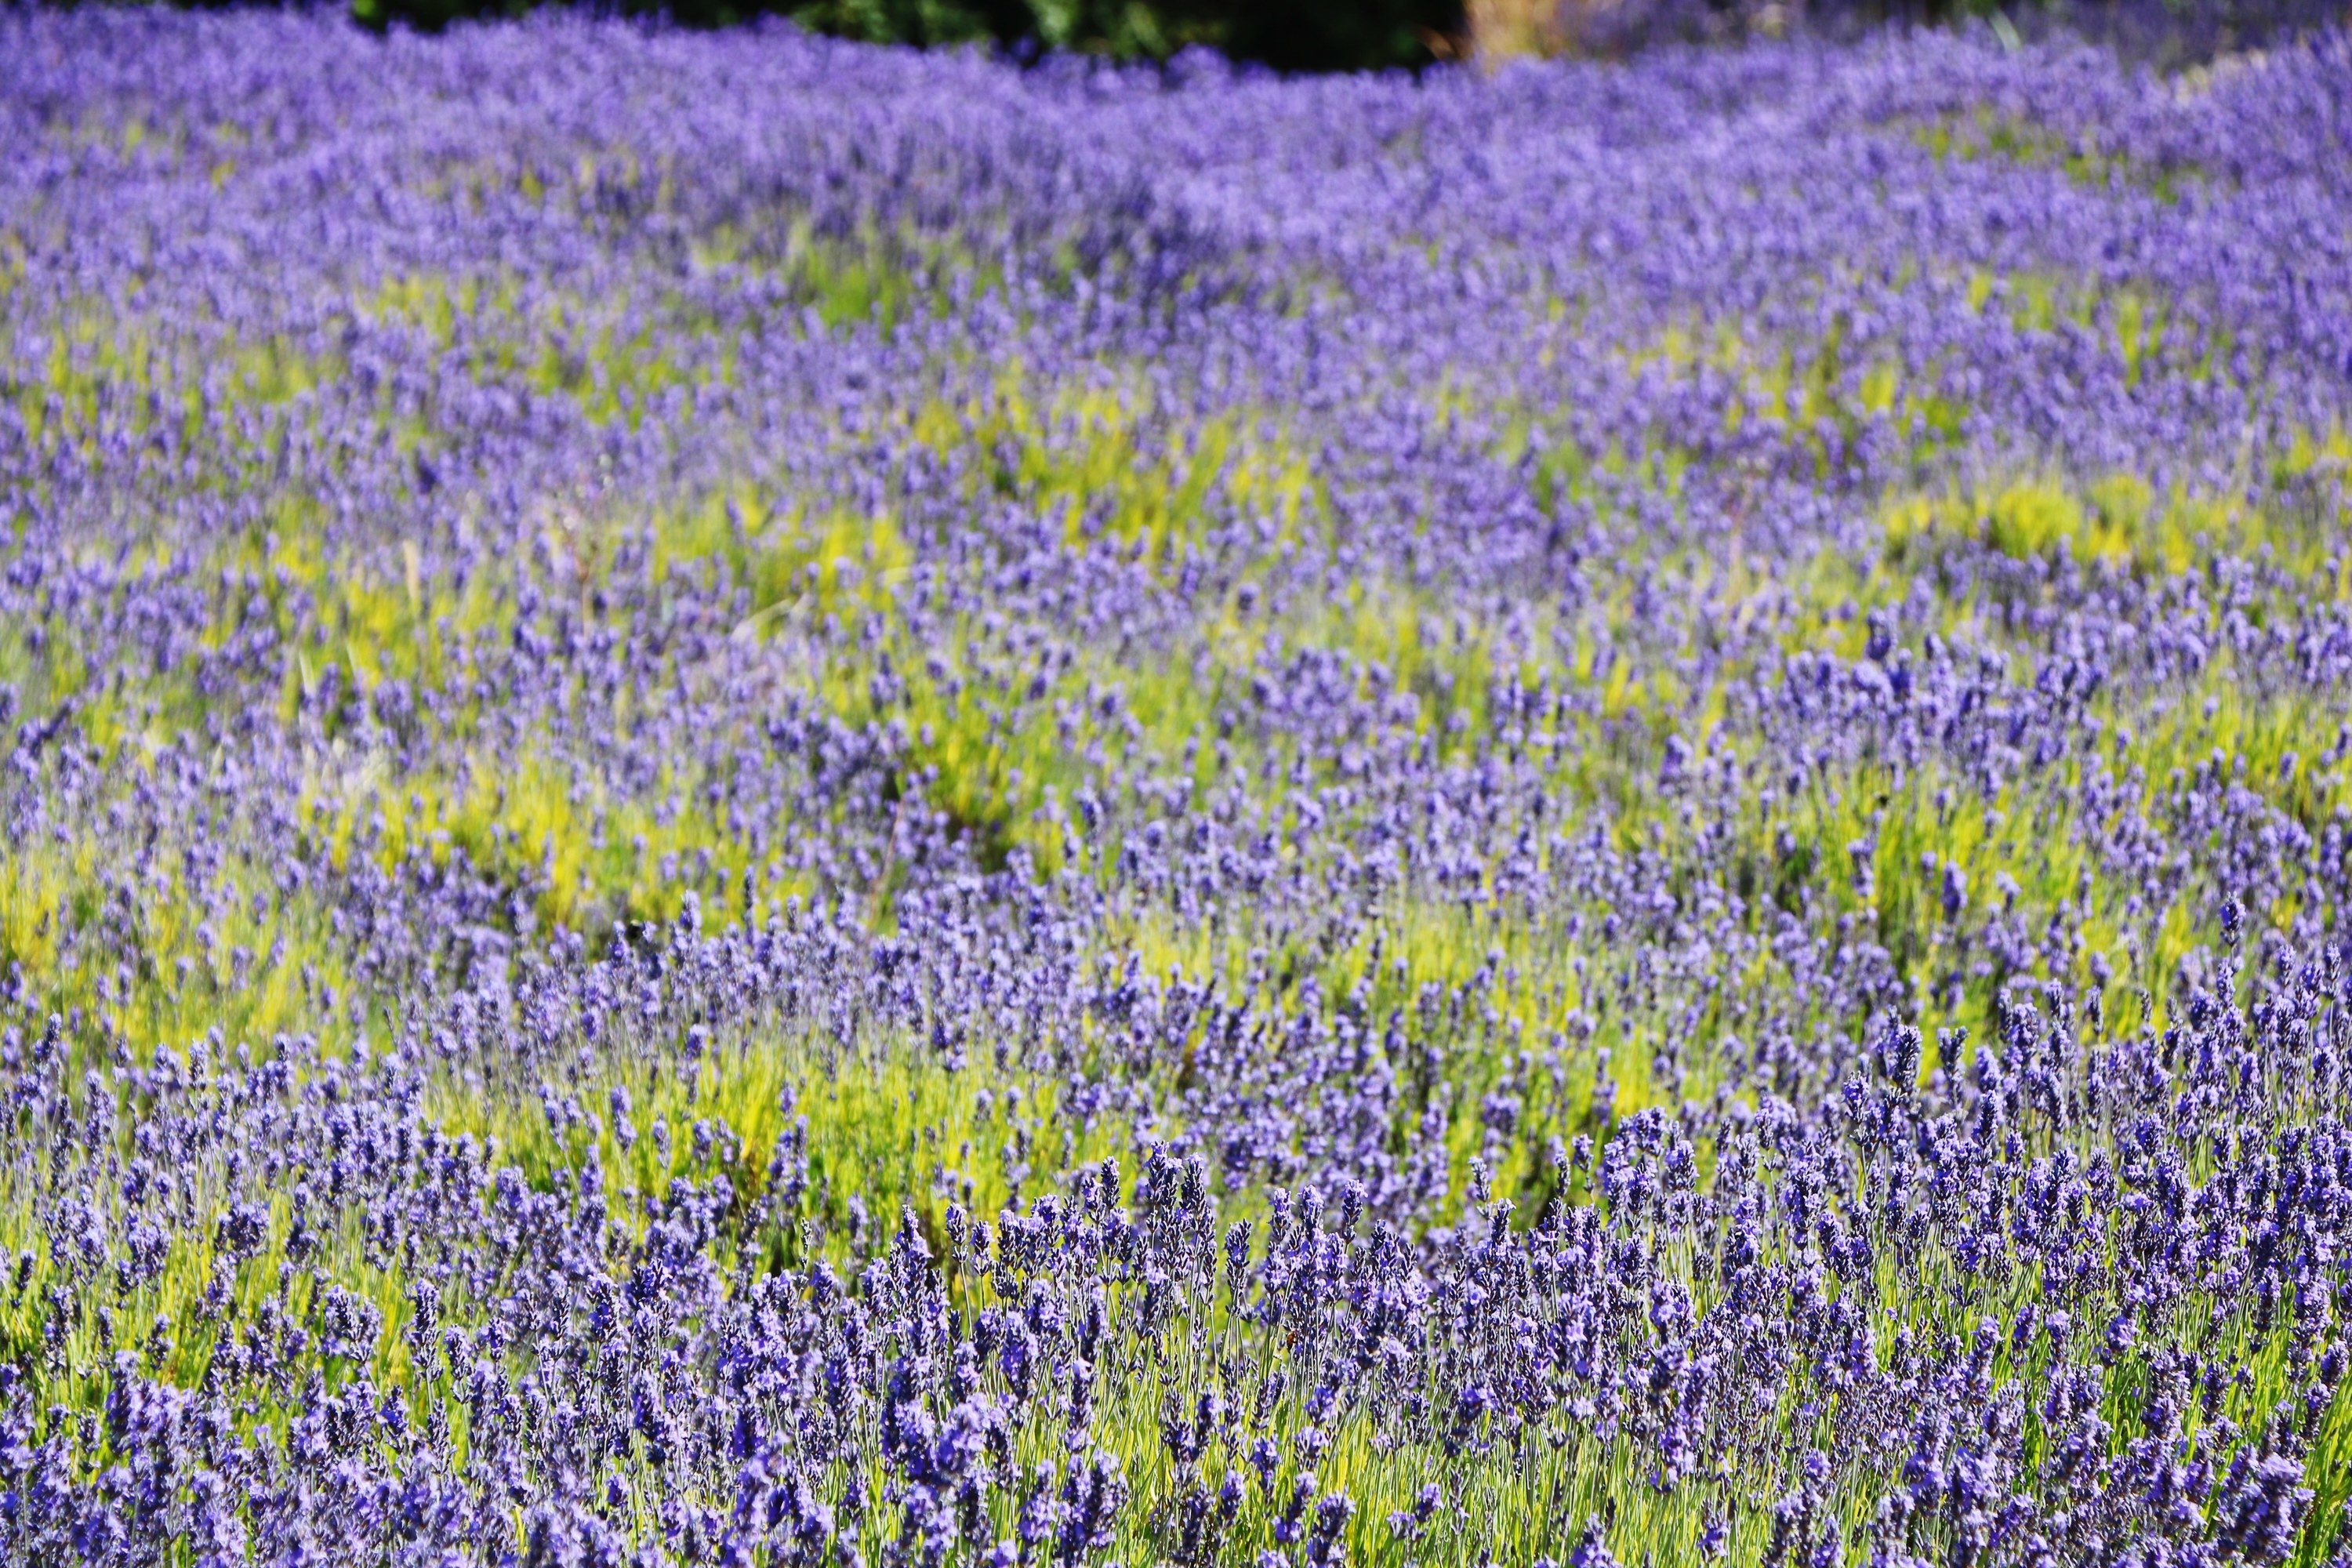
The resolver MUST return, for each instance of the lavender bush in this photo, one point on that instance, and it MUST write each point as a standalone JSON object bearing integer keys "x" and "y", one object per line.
{"x": 774, "y": 803}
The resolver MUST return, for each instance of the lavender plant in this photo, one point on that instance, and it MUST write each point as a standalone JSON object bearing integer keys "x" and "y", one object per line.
{"x": 776, "y": 803}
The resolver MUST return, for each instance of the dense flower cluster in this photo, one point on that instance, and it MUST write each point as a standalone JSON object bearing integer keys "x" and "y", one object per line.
{"x": 777, "y": 803}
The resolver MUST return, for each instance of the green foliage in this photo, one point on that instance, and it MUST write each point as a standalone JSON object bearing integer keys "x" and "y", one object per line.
{"x": 1289, "y": 34}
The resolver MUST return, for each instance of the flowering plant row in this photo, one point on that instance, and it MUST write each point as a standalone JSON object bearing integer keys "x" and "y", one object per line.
{"x": 775, "y": 803}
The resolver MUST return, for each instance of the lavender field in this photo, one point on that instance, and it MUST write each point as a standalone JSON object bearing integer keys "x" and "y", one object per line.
{"x": 777, "y": 803}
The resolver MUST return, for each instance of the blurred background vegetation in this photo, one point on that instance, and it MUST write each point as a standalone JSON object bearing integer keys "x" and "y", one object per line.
{"x": 1374, "y": 34}
{"x": 1288, "y": 35}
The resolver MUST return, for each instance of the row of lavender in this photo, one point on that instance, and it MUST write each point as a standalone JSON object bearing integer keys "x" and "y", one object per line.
{"x": 775, "y": 803}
